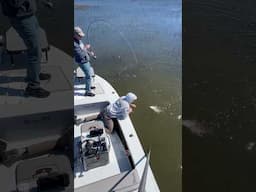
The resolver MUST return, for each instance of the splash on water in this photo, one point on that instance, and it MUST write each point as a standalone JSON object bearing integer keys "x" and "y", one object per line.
{"x": 156, "y": 109}
{"x": 196, "y": 127}
{"x": 250, "y": 146}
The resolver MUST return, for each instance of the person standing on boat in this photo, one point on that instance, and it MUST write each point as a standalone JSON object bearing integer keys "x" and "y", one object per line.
{"x": 82, "y": 57}
{"x": 21, "y": 14}
{"x": 118, "y": 110}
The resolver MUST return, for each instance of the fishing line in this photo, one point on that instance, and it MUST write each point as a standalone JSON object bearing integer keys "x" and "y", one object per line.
{"x": 114, "y": 29}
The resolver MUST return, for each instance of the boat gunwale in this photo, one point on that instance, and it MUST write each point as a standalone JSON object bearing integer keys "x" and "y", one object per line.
{"x": 130, "y": 135}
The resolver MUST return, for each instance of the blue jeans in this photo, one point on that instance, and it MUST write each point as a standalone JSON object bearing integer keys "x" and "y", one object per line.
{"x": 28, "y": 29}
{"x": 86, "y": 68}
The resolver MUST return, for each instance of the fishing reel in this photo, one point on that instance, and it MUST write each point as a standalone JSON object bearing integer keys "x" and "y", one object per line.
{"x": 94, "y": 148}
{"x": 94, "y": 145}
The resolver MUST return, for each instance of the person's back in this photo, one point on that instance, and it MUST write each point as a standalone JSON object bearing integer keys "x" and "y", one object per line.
{"x": 119, "y": 110}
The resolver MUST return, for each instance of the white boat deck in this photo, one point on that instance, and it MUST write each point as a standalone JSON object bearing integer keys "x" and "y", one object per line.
{"x": 12, "y": 85}
{"x": 49, "y": 117}
{"x": 105, "y": 92}
{"x": 118, "y": 163}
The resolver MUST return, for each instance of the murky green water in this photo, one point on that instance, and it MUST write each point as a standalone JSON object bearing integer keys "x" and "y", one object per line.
{"x": 219, "y": 93}
{"x": 138, "y": 45}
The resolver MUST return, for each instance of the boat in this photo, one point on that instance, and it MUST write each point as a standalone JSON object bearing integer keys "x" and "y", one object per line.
{"x": 29, "y": 157}
{"x": 32, "y": 151}
{"x": 106, "y": 162}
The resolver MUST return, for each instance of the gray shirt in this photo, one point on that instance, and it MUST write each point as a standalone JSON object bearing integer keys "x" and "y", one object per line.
{"x": 81, "y": 56}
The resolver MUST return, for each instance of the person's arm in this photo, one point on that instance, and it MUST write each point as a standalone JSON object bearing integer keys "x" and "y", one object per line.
{"x": 132, "y": 105}
{"x": 91, "y": 53}
{"x": 126, "y": 111}
{"x": 123, "y": 115}
{"x": 87, "y": 49}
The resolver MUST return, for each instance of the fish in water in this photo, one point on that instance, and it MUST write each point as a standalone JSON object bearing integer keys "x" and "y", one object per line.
{"x": 250, "y": 146}
{"x": 196, "y": 127}
{"x": 156, "y": 109}
{"x": 48, "y": 4}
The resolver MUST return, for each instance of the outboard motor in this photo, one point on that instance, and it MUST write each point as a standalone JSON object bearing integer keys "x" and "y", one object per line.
{"x": 94, "y": 146}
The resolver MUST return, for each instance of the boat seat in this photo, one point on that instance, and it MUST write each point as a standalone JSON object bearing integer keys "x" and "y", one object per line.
{"x": 42, "y": 147}
{"x": 86, "y": 118}
{"x": 11, "y": 156}
{"x": 92, "y": 116}
{"x": 14, "y": 44}
{"x": 86, "y": 126}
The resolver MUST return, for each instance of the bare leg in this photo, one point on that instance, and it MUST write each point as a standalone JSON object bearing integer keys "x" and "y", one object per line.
{"x": 108, "y": 123}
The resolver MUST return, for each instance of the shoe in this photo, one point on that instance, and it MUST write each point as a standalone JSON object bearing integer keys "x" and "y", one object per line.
{"x": 44, "y": 76}
{"x": 93, "y": 87}
{"x": 36, "y": 92}
{"x": 89, "y": 94}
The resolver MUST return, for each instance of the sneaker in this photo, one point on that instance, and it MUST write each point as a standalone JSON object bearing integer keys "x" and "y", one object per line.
{"x": 89, "y": 94}
{"x": 36, "y": 92}
{"x": 93, "y": 87}
{"x": 44, "y": 76}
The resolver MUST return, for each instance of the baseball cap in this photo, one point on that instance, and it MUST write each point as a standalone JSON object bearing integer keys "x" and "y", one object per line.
{"x": 130, "y": 97}
{"x": 79, "y": 31}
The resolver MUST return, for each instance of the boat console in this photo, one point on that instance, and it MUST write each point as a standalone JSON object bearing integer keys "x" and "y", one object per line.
{"x": 94, "y": 145}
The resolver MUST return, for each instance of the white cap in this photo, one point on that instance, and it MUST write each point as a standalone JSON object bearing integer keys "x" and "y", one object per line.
{"x": 79, "y": 31}
{"x": 130, "y": 97}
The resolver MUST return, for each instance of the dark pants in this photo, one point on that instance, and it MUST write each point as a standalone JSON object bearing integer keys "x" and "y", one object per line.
{"x": 28, "y": 29}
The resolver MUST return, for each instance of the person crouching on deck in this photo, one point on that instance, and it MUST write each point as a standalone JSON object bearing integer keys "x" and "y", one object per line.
{"x": 119, "y": 110}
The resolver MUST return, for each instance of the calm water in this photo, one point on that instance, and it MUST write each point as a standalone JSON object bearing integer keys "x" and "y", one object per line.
{"x": 138, "y": 45}
{"x": 219, "y": 93}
